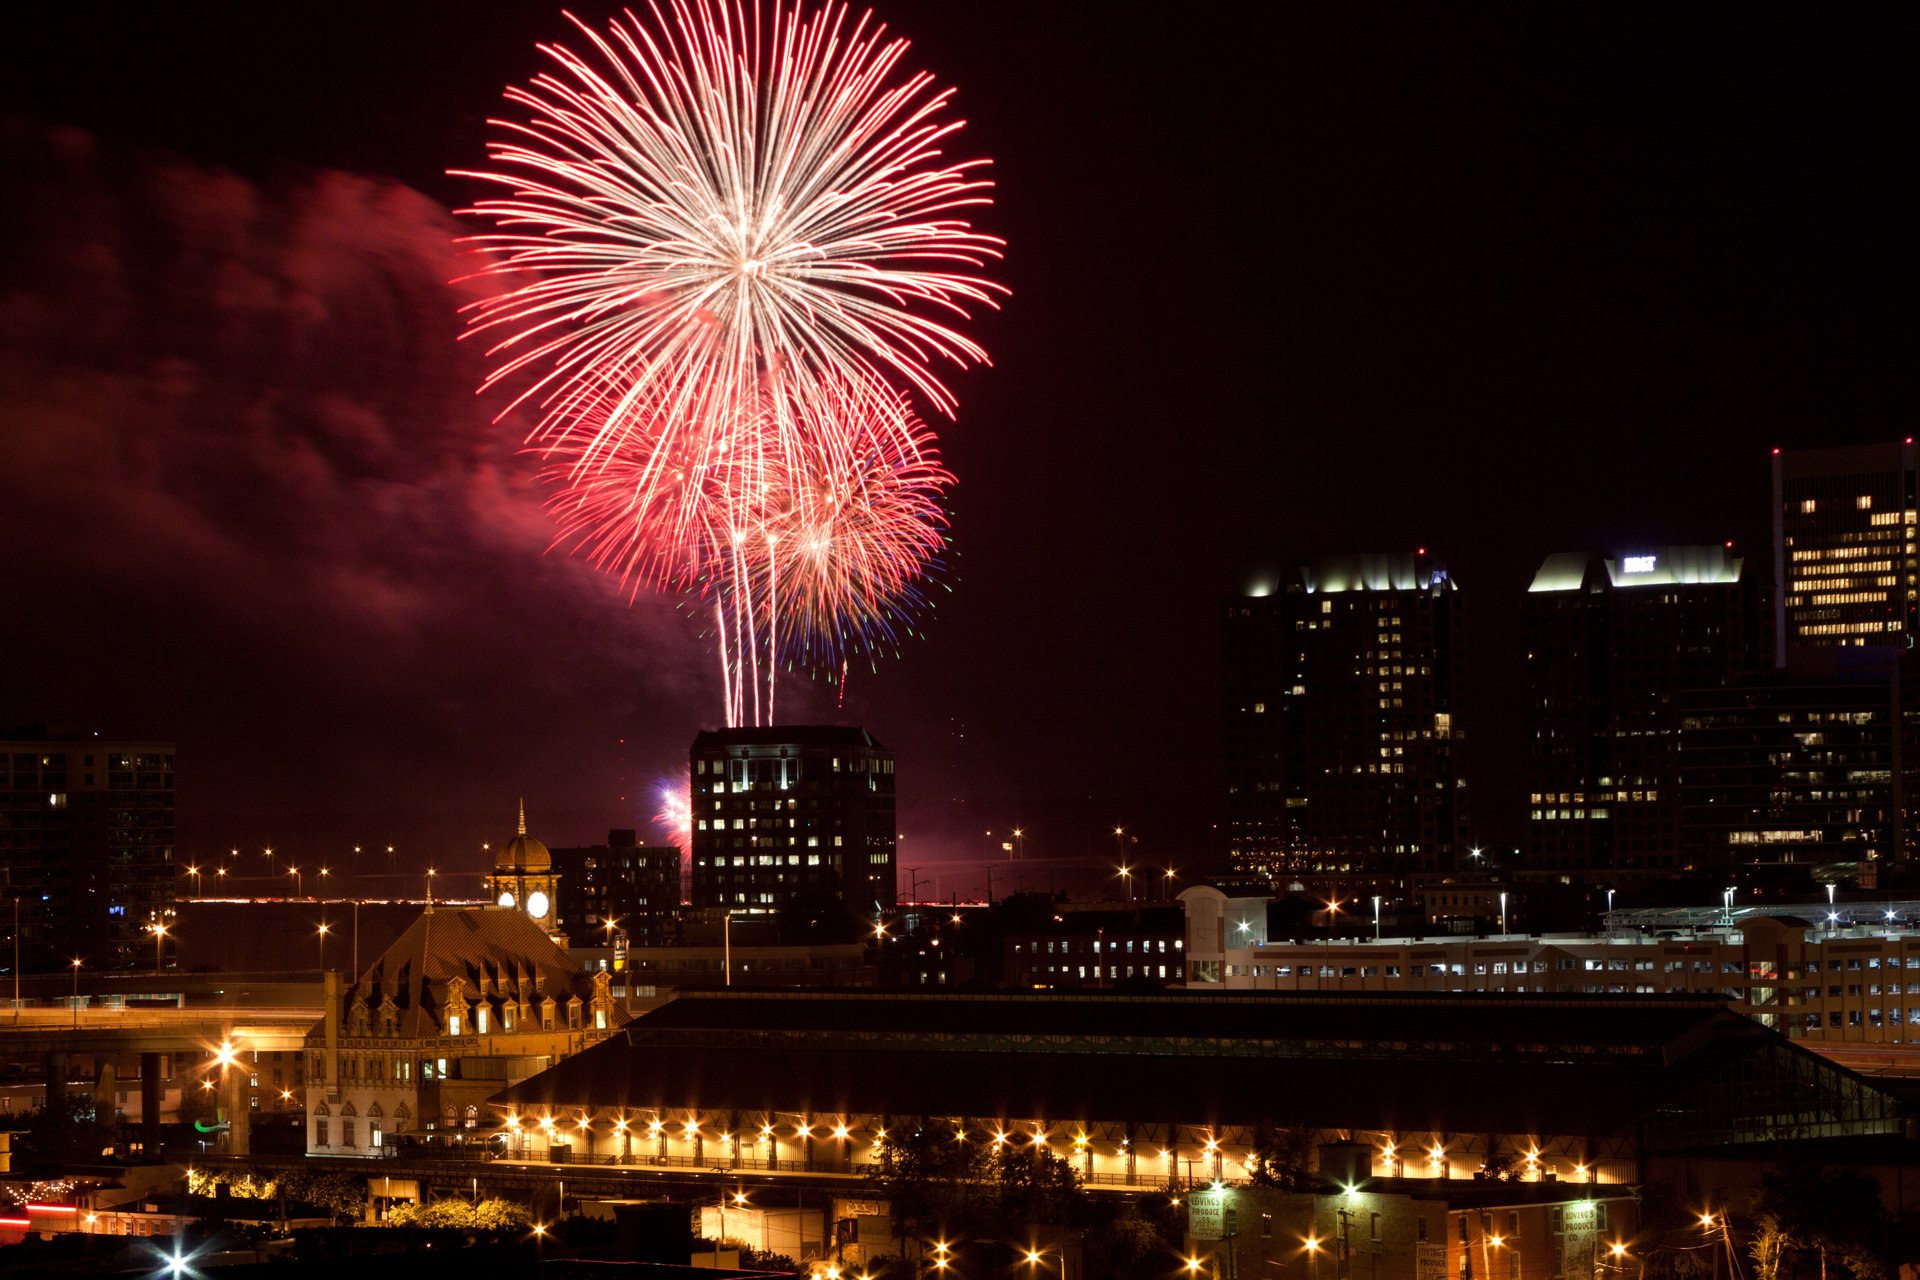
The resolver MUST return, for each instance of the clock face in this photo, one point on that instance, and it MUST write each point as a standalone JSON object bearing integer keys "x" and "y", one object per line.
{"x": 506, "y": 897}
{"x": 537, "y": 905}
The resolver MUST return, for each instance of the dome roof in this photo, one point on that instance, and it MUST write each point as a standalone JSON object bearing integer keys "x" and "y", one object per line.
{"x": 523, "y": 852}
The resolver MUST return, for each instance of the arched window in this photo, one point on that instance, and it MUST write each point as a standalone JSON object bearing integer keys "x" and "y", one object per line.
{"x": 472, "y": 1116}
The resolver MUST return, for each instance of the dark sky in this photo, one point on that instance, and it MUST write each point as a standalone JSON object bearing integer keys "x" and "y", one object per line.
{"x": 1286, "y": 279}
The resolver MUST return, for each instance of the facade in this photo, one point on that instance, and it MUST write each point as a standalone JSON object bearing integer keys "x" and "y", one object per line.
{"x": 464, "y": 1003}
{"x": 86, "y": 841}
{"x": 1344, "y": 729}
{"x": 1826, "y": 982}
{"x": 792, "y": 816}
{"x": 524, "y": 879}
{"x": 1402, "y": 1226}
{"x": 1611, "y": 645}
{"x": 620, "y": 889}
{"x": 1845, "y": 563}
{"x": 1796, "y": 766}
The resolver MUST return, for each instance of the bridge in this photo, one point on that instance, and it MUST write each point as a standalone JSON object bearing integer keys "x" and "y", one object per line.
{"x": 220, "y": 1017}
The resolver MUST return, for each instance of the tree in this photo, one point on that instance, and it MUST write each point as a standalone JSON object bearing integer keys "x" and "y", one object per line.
{"x": 928, "y": 1176}
{"x": 1037, "y": 1186}
{"x": 1282, "y": 1157}
{"x": 1835, "y": 1214}
{"x": 1131, "y": 1239}
{"x": 69, "y": 1129}
{"x": 488, "y": 1215}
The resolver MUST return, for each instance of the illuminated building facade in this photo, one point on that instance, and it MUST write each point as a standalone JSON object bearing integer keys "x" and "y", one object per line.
{"x": 618, "y": 889}
{"x": 1844, "y": 550}
{"x": 1344, "y": 731}
{"x": 524, "y": 879}
{"x": 86, "y": 840}
{"x": 1611, "y": 644}
{"x": 465, "y": 1002}
{"x": 786, "y": 815}
{"x": 1845, "y": 975}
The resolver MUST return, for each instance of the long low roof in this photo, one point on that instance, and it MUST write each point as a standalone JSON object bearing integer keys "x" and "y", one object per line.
{"x": 1589, "y": 1066}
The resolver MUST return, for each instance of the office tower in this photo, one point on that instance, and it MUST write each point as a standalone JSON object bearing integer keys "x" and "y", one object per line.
{"x": 86, "y": 840}
{"x": 1794, "y": 766}
{"x": 621, "y": 887}
{"x": 1344, "y": 683}
{"x": 792, "y": 816}
{"x": 1843, "y": 546}
{"x": 1612, "y": 642}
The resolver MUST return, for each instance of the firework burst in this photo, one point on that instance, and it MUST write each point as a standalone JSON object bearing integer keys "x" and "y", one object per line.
{"x": 718, "y": 198}
{"x": 726, "y": 235}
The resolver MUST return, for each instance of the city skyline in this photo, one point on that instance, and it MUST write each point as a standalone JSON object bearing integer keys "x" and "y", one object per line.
{"x": 1501, "y": 287}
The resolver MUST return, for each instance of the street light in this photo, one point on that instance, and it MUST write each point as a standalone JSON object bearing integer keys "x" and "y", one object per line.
{"x": 194, "y": 871}
{"x": 325, "y": 929}
{"x": 1503, "y": 911}
{"x": 1126, "y": 874}
{"x": 76, "y": 993}
{"x": 299, "y": 884}
{"x": 159, "y": 946}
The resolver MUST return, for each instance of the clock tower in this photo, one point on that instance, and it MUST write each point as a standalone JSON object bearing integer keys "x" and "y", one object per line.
{"x": 523, "y": 879}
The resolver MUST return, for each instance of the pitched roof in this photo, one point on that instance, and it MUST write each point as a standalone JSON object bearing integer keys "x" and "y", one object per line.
{"x": 495, "y": 950}
{"x": 1459, "y": 1063}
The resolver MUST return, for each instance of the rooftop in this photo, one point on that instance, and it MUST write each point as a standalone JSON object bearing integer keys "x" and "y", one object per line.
{"x": 1590, "y": 1065}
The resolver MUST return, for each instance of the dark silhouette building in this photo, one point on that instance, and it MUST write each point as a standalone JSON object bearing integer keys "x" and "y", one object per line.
{"x": 792, "y": 816}
{"x": 1793, "y": 766}
{"x": 1612, "y": 643}
{"x": 86, "y": 840}
{"x": 1344, "y": 731}
{"x": 620, "y": 888}
{"x": 1844, "y": 552}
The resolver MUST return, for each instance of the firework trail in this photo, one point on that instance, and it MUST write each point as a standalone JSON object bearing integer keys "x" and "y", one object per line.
{"x": 807, "y": 560}
{"x": 727, "y": 235}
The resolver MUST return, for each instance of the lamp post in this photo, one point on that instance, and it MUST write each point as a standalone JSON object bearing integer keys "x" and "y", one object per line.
{"x": 76, "y": 993}
{"x": 1503, "y": 911}
{"x": 1126, "y": 875}
{"x": 325, "y": 929}
{"x": 1376, "y": 917}
{"x": 1333, "y": 922}
{"x": 159, "y": 950}
{"x": 299, "y": 884}
{"x": 194, "y": 871}
{"x": 726, "y": 949}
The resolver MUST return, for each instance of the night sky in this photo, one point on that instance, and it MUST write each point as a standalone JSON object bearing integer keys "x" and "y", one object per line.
{"x": 1286, "y": 279}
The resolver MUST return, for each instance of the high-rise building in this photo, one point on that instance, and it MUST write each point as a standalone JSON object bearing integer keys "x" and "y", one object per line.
{"x": 619, "y": 888}
{"x": 1845, "y": 564}
{"x": 1612, "y": 642}
{"x": 792, "y": 815}
{"x": 86, "y": 843}
{"x": 1344, "y": 685}
{"x": 1793, "y": 766}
